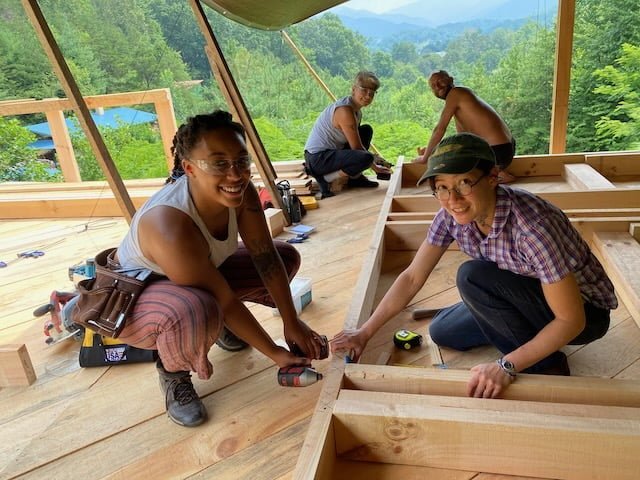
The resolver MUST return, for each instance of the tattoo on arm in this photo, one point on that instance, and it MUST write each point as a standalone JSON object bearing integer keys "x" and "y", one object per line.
{"x": 266, "y": 261}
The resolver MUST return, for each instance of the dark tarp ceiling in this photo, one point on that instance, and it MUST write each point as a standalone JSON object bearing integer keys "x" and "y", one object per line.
{"x": 270, "y": 14}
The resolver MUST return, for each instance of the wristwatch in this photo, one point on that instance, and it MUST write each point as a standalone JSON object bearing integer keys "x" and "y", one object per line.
{"x": 508, "y": 367}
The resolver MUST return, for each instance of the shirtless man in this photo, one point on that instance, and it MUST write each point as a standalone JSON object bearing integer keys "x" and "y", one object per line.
{"x": 473, "y": 115}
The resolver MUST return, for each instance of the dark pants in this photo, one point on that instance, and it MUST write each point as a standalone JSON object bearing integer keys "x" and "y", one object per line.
{"x": 506, "y": 310}
{"x": 504, "y": 153}
{"x": 351, "y": 162}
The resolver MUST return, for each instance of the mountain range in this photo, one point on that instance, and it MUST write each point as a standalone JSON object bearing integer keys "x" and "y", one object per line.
{"x": 431, "y": 26}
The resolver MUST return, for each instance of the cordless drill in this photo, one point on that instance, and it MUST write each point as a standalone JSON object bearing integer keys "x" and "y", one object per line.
{"x": 298, "y": 376}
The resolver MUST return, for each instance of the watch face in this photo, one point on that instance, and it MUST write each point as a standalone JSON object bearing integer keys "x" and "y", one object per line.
{"x": 508, "y": 365}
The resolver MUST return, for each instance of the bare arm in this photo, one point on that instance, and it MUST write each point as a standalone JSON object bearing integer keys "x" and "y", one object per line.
{"x": 564, "y": 299}
{"x": 449, "y": 110}
{"x": 255, "y": 234}
{"x": 344, "y": 118}
{"x": 171, "y": 239}
{"x": 408, "y": 283}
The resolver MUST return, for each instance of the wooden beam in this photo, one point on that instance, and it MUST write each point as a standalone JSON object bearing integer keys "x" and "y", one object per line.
{"x": 16, "y": 369}
{"x": 166, "y": 123}
{"x": 72, "y": 91}
{"x": 537, "y": 388}
{"x": 581, "y": 176}
{"x": 317, "y": 456}
{"x": 619, "y": 253}
{"x": 614, "y": 164}
{"x": 236, "y": 104}
{"x": 562, "y": 76}
{"x": 495, "y": 436}
{"x": 64, "y": 148}
{"x": 614, "y": 198}
{"x": 361, "y": 305}
{"x": 24, "y": 107}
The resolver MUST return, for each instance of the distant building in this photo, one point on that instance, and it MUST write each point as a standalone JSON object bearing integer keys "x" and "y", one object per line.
{"x": 112, "y": 118}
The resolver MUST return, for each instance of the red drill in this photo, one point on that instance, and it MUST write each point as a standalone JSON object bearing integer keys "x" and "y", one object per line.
{"x": 297, "y": 376}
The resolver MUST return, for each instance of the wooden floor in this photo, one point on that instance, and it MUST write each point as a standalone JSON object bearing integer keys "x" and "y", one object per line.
{"x": 76, "y": 423}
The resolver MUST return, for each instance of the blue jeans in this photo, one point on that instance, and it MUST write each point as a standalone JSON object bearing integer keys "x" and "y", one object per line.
{"x": 506, "y": 310}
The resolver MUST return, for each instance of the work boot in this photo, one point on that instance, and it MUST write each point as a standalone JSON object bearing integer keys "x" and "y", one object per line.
{"x": 361, "y": 182}
{"x": 229, "y": 342}
{"x": 183, "y": 404}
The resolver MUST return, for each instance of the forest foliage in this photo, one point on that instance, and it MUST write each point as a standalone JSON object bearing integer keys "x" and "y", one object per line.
{"x": 130, "y": 45}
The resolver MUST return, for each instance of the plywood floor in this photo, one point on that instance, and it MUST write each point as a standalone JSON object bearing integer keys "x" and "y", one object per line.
{"x": 95, "y": 423}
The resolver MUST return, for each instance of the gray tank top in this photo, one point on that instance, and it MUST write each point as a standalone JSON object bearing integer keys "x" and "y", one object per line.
{"x": 324, "y": 136}
{"x": 176, "y": 195}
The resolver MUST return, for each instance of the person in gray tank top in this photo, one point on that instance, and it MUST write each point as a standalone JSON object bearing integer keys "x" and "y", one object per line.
{"x": 188, "y": 232}
{"x": 338, "y": 145}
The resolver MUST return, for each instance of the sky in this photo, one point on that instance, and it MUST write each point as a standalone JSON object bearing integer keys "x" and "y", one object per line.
{"x": 376, "y": 6}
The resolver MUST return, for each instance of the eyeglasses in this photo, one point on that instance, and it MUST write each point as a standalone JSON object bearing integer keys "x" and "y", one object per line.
{"x": 222, "y": 167}
{"x": 463, "y": 189}
{"x": 367, "y": 91}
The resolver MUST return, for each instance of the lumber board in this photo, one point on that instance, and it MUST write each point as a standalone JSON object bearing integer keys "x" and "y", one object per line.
{"x": 614, "y": 198}
{"x": 356, "y": 470}
{"x": 614, "y": 164}
{"x": 620, "y": 254}
{"x": 582, "y": 176}
{"x": 540, "y": 388}
{"x": 477, "y": 435}
{"x": 410, "y": 234}
{"x": 16, "y": 369}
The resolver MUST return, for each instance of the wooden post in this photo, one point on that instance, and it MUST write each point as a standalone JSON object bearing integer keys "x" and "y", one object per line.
{"x": 237, "y": 106}
{"x": 64, "y": 148}
{"x": 70, "y": 87}
{"x": 562, "y": 76}
{"x": 166, "y": 124}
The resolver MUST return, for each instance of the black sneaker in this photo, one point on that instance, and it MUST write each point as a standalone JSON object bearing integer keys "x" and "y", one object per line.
{"x": 229, "y": 342}
{"x": 181, "y": 400}
{"x": 361, "y": 182}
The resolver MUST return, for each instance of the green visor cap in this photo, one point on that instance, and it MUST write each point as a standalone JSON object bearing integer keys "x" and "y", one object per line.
{"x": 457, "y": 154}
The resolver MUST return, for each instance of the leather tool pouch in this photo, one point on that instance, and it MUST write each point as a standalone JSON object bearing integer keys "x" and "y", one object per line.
{"x": 106, "y": 300}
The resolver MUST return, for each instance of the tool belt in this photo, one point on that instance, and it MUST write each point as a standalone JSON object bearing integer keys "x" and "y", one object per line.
{"x": 105, "y": 301}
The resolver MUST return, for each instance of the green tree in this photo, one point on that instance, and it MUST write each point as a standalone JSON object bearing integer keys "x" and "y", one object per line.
{"x": 19, "y": 162}
{"x": 600, "y": 30}
{"x": 135, "y": 149}
{"x": 620, "y": 84}
{"x": 331, "y": 46}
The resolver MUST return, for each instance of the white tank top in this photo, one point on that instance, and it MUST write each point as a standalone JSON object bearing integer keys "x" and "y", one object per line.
{"x": 176, "y": 195}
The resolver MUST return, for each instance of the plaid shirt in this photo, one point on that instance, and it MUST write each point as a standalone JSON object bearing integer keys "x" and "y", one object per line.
{"x": 530, "y": 237}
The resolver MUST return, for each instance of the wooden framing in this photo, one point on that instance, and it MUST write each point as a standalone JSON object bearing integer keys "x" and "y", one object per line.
{"x": 562, "y": 76}
{"x": 53, "y": 108}
{"x": 420, "y": 418}
{"x": 62, "y": 71}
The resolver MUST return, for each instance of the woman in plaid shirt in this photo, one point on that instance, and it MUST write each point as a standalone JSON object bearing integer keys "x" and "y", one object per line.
{"x": 531, "y": 287}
